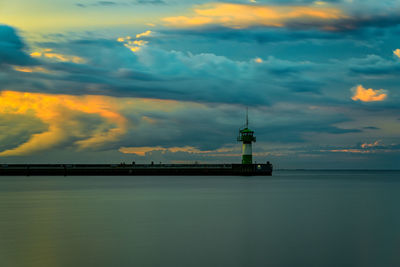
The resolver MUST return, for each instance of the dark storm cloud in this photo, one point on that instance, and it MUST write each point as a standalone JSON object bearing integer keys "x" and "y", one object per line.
{"x": 357, "y": 20}
{"x": 254, "y": 34}
{"x": 354, "y": 23}
{"x": 12, "y": 48}
{"x": 297, "y": 125}
{"x": 305, "y": 86}
{"x": 213, "y": 126}
{"x": 175, "y": 75}
{"x": 264, "y": 35}
{"x": 375, "y": 65}
{"x": 150, "y": 2}
{"x": 106, "y": 3}
{"x": 371, "y": 128}
{"x": 100, "y": 3}
{"x": 113, "y": 69}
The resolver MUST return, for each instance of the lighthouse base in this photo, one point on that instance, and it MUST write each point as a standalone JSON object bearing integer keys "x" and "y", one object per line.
{"x": 247, "y": 159}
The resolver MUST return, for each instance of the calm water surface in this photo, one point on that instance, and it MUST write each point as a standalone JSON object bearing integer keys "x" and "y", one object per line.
{"x": 295, "y": 218}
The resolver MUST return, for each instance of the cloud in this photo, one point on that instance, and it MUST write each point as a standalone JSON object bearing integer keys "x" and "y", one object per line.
{"x": 397, "y": 52}
{"x": 131, "y": 125}
{"x": 239, "y": 16}
{"x": 204, "y": 90}
{"x": 31, "y": 69}
{"x": 336, "y": 16}
{"x": 374, "y": 65}
{"x": 150, "y": 2}
{"x": 154, "y": 72}
{"x": 374, "y": 144}
{"x": 134, "y": 45}
{"x": 106, "y": 3}
{"x": 12, "y": 48}
{"x": 146, "y": 33}
{"x": 98, "y": 3}
{"x": 280, "y": 21}
{"x": 371, "y": 128}
{"x": 158, "y": 73}
{"x": 376, "y": 147}
{"x": 113, "y": 3}
{"x": 257, "y": 35}
{"x": 141, "y": 151}
{"x": 368, "y": 95}
{"x": 351, "y": 150}
{"x": 50, "y": 54}
{"x": 86, "y": 121}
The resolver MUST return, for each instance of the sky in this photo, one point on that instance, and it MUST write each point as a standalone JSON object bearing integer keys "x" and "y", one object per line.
{"x": 169, "y": 81}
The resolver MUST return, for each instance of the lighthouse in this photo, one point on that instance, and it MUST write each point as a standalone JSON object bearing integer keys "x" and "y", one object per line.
{"x": 247, "y": 137}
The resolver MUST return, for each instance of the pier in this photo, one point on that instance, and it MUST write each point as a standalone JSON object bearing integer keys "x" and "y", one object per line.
{"x": 135, "y": 169}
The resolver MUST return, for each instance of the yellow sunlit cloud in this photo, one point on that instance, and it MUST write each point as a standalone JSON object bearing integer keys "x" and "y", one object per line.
{"x": 30, "y": 69}
{"x": 61, "y": 113}
{"x": 397, "y": 52}
{"x": 133, "y": 48}
{"x": 243, "y": 15}
{"x": 140, "y": 42}
{"x": 36, "y": 54}
{"x": 146, "y": 33}
{"x": 368, "y": 95}
{"x": 258, "y": 60}
{"x": 134, "y": 45}
{"x": 48, "y": 53}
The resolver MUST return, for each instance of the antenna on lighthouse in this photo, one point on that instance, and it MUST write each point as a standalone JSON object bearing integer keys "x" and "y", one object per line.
{"x": 247, "y": 117}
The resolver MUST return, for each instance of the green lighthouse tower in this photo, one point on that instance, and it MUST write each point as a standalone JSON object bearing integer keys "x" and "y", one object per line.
{"x": 247, "y": 137}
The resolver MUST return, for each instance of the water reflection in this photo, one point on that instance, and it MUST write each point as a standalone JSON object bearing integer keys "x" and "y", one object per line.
{"x": 287, "y": 220}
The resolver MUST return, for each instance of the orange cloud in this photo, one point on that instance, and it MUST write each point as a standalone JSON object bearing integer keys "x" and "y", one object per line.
{"x": 358, "y": 151}
{"x": 374, "y": 144}
{"x": 30, "y": 69}
{"x": 48, "y": 53}
{"x": 247, "y": 15}
{"x": 397, "y": 52}
{"x": 189, "y": 149}
{"x": 62, "y": 114}
{"x": 368, "y": 95}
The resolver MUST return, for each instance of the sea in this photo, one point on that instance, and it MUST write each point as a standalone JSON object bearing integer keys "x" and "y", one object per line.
{"x": 293, "y": 218}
